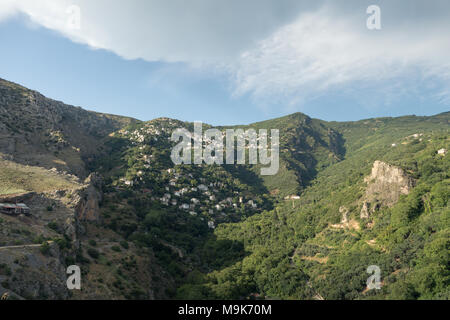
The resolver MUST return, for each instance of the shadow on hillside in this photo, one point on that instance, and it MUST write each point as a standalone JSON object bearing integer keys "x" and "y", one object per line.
{"x": 309, "y": 161}
{"x": 250, "y": 178}
{"x": 217, "y": 254}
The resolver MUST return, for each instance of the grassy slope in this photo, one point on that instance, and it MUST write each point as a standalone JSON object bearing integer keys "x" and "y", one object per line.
{"x": 16, "y": 178}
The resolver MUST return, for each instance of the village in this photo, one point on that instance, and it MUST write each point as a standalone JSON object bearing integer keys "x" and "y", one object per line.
{"x": 208, "y": 199}
{"x": 193, "y": 189}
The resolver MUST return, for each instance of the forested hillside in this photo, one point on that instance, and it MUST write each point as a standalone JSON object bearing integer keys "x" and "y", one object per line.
{"x": 348, "y": 195}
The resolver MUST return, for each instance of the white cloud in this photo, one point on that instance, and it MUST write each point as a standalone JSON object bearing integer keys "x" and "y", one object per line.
{"x": 324, "y": 51}
{"x": 174, "y": 30}
{"x": 288, "y": 50}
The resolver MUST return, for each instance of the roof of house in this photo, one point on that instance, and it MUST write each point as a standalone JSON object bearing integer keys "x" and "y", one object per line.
{"x": 14, "y": 206}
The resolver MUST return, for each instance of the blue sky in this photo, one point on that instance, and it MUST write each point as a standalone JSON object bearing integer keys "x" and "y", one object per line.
{"x": 99, "y": 80}
{"x": 210, "y": 71}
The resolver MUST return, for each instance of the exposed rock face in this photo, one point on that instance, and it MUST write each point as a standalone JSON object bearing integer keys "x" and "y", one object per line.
{"x": 88, "y": 207}
{"x": 384, "y": 187}
{"x": 32, "y": 275}
{"x": 25, "y": 197}
{"x": 389, "y": 177}
{"x": 365, "y": 210}
{"x": 346, "y": 222}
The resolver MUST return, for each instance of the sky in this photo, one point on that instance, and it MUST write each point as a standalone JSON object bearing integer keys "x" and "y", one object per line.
{"x": 234, "y": 61}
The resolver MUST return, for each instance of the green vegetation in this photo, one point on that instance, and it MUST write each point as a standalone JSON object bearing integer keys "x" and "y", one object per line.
{"x": 290, "y": 249}
{"x": 225, "y": 232}
{"x": 93, "y": 253}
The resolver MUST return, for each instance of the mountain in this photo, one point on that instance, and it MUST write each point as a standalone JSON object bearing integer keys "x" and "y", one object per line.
{"x": 105, "y": 195}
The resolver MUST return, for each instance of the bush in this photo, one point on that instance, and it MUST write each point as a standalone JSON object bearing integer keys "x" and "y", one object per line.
{"x": 93, "y": 253}
{"x": 124, "y": 245}
{"x": 45, "y": 248}
{"x": 63, "y": 243}
{"x": 70, "y": 261}
{"x": 53, "y": 225}
{"x": 5, "y": 270}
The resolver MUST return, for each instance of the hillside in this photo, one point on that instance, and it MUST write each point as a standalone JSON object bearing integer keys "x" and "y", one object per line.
{"x": 321, "y": 245}
{"x": 38, "y": 131}
{"x": 105, "y": 195}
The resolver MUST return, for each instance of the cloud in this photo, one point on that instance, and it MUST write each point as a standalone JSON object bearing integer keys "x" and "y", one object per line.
{"x": 193, "y": 31}
{"x": 288, "y": 50}
{"x": 331, "y": 49}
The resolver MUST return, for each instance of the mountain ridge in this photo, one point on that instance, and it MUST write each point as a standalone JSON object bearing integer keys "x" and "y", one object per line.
{"x": 105, "y": 195}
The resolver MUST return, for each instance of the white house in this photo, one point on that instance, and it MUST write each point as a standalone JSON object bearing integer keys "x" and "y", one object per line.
{"x": 185, "y": 206}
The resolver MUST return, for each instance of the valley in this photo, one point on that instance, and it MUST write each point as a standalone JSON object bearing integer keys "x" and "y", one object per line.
{"x": 105, "y": 195}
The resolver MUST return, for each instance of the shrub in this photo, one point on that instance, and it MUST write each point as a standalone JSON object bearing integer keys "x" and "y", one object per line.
{"x": 45, "y": 248}
{"x": 53, "y": 225}
{"x": 124, "y": 245}
{"x": 5, "y": 270}
{"x": 93, "y": 253}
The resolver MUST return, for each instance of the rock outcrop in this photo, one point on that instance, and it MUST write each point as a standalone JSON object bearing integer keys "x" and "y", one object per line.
{"x": 385, "y": 185}
{"x": 88, "y": 207}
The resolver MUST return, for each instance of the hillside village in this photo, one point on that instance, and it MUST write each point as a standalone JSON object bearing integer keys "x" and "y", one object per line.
{"x": 187, "y": 189}
{"x": 103, "y": 193}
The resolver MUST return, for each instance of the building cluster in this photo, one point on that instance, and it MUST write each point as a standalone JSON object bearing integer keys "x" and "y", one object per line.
{"x": 213, "y": 198}
{"x": 208, "y": 197}
{"x": 14, "y": 209}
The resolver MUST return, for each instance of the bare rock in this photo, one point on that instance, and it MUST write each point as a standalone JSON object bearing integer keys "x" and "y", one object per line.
{"x": 88, "y": 208}
{"x": 365, "y": 210}
{"x": 385, "y": 185}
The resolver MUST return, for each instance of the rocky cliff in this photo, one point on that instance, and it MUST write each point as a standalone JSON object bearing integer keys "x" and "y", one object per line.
{"x": 385, "y": 185}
